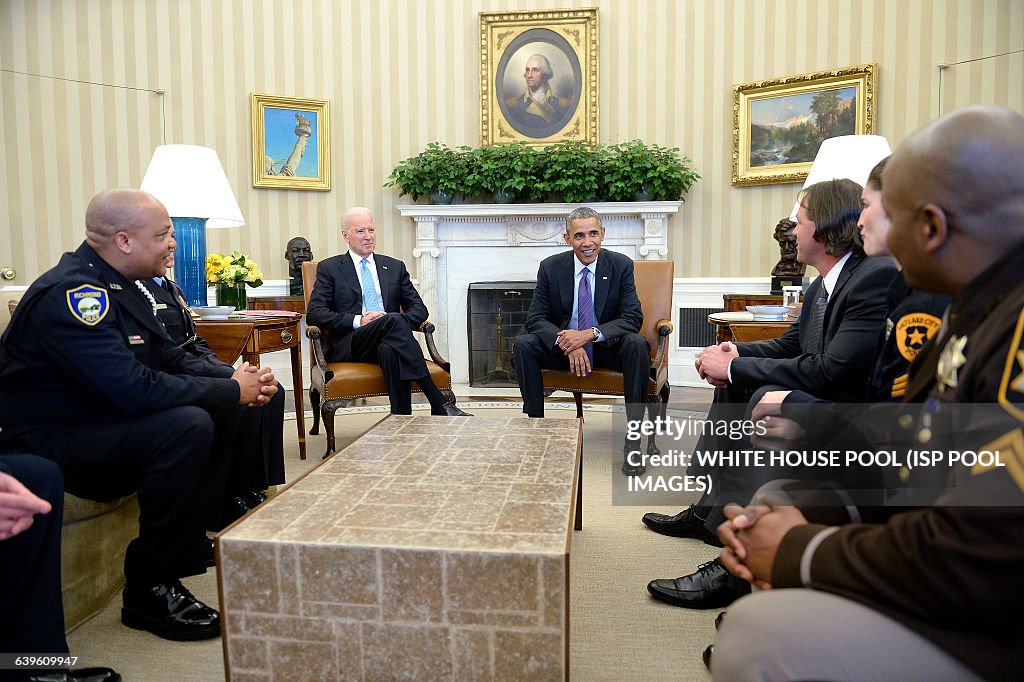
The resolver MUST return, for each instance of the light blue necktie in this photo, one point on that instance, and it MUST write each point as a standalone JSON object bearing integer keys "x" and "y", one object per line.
{"x": 371, "y": 300}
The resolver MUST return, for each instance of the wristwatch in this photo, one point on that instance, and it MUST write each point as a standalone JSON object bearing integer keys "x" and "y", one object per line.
{"x": 597, "y": 334}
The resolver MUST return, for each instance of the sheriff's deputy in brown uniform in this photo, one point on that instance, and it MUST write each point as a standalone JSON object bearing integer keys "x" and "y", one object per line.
{"x": 932, "y": 593}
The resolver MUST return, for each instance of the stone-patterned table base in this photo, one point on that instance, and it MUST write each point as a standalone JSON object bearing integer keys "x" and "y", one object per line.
{"x": 431, "y": 548}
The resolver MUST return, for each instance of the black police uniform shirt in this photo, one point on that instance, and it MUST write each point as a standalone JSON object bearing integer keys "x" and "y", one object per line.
{"x": 85, "y": 344}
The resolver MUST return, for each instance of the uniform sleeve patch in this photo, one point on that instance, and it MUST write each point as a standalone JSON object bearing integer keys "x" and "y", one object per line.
{"x": 88, "y": 304}
{"x": 913, "y": 331}
{"x": 1011, "y": 385}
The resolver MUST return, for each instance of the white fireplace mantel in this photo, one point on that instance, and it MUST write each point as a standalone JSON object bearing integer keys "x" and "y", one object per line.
{"x": 458, "y": 244}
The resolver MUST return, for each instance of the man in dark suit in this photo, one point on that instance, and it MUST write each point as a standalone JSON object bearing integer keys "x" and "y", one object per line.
{"x": 585, "y": 313}
{"x": 828, "y": 352}
{"x": 368, "y": 304}
{"x": 253, "y": 445}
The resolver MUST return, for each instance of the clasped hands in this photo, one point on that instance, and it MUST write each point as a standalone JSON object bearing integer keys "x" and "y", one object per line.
{"x": 752, "y": 534}
{"x": 713, "y": 363}
{"x": 571, "y": 343}
{"x": 256, "y": 385}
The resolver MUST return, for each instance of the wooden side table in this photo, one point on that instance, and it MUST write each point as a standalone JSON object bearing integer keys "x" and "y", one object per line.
{"x": 741, "y": 326}
{"x": 248, "y": 338}
{"x": 739, "y": 302}
{"x": 296, "y": 304}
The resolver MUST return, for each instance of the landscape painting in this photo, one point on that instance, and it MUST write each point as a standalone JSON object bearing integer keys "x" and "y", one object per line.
{"x": 790, "y": 129}
{"x": 779, "y": 124}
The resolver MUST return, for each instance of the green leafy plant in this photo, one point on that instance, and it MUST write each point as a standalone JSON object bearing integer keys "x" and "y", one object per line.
{"x": 573, "y": 169}
{"x": 509, "y": 168}
{"x": 632, "y": 168}
{"x": 436, "y": 168}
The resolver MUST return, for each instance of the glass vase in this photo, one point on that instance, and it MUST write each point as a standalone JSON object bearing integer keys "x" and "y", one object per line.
{"x": 232, "y": 293}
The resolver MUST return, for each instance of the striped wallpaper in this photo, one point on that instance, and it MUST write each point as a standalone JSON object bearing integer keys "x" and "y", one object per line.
{"x": 80, "y": 108}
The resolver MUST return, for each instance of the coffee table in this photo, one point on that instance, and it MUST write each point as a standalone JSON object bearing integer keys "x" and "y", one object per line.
{"x": 431, "y": 548}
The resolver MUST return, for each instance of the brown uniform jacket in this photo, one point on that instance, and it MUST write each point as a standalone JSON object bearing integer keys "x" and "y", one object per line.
{"x": 951, "y": 572}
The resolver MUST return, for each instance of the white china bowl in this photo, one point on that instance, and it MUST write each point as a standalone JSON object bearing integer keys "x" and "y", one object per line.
{"x": 773, "y": 311}
{"x": 213, "y": 312}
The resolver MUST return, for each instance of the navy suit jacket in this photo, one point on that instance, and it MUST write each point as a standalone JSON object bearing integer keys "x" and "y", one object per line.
{"x": 616, "y": 305}
{"x": 337, "y": 298}
{"x": 855, "y": 312}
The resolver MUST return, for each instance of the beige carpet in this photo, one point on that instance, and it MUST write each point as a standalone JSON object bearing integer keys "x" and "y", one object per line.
{"x": 618, "y": 631}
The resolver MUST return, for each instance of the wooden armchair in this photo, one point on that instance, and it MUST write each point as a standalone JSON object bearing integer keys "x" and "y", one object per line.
{"x": 337, "y": 384}
{"x": 654, "y": 280}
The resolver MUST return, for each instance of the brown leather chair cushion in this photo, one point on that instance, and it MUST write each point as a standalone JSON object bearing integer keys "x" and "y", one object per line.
{"x": 365, "y": 379}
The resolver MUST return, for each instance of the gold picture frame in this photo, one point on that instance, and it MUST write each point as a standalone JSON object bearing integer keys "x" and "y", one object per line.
{"x": 563, "y": 48}
{"x": 291, "y": 143}
{"x": 778, "y": 125}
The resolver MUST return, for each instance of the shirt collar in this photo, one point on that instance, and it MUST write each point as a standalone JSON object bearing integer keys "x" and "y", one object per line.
{"x": 579, "y": 267}
{"x": 357, "y": 260}
{"x": 829, "y": 280}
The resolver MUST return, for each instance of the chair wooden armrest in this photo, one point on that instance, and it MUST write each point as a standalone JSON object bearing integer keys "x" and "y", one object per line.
{"x": 664, "y": 329}
{"x": 428, "y": 331}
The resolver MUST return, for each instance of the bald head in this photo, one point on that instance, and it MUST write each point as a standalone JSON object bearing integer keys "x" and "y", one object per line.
{"x": 131, "y": 231}
{"x": 116, "y": 209}
{"x": 955, "y": 193}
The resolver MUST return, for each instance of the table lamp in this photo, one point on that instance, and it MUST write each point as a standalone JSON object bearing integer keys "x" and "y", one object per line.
{"x": 191, "y": 184}
{"x": 846, "y": 156}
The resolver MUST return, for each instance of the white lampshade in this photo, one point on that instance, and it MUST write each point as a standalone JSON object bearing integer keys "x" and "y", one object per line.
{"x": 190, "y": 182}
{"x": 846, "y": 156}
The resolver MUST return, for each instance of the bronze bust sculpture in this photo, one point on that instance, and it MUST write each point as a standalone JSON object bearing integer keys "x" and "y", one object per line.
{"x": 297, "y": 252}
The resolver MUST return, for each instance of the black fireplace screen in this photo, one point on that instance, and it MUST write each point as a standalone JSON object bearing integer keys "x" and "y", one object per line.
{"x": 497, "y": 315}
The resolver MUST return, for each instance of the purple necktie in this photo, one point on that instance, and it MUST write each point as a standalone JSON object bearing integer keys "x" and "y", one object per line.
{"x": 585, "y": 312}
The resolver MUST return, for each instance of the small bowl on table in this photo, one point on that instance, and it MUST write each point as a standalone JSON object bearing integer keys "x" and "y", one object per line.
{"x": 213, "y": 312}
{"x": 768, "y": 312}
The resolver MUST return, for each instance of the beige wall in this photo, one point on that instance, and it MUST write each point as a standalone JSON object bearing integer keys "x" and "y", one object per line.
{"x": 400, "y": 73}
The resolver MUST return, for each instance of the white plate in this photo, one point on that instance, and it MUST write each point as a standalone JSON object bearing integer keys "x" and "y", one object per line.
{"x": 776, "y": 312}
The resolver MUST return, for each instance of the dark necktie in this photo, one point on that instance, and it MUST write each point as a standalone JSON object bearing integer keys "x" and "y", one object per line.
{"x": 585, "y": 311}
{"x": 816, "y": 322}
{"x": 166, "y": 284}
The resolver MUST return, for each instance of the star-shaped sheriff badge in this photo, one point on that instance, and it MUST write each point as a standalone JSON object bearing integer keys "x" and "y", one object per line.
{"x": 950, "y": 362}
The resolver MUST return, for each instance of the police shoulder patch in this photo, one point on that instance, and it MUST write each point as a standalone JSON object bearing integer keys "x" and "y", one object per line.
{"x": 1011, "y": 385}
{"x": 88, "y": 304}
{"x": 913, "y": 331}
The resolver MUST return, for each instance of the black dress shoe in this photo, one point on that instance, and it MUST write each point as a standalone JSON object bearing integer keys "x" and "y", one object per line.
{"x": 718, "y": 620}
{"x": 79, "y": 675}
{"x": 170, "y": 611}
{"x": 632, "y": 469}
{"x": 685, "y": 524}
{"x": 209, "y": 552}
{"x": 256, "y": 497}
{"x": 706, "y": 656}
{"x": 710, "y": 587}
{"x": 449, "y": 410}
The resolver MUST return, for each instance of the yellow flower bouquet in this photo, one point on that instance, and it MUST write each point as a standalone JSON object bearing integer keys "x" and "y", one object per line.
{"x": 236, "y": 268}
{"x": 231, "y": 274}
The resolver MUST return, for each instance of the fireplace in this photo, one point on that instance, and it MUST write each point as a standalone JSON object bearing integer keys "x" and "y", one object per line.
{"x": 496, "y": 315}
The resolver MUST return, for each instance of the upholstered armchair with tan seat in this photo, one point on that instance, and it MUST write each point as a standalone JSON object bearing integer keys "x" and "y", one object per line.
{"x": 337, "y": 384}
{"x": 654, "y": 279}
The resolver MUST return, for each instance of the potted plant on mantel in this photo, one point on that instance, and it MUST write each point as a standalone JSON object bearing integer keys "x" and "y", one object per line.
{"x": 634, "y": 171}
{"x": 506, "y": 172}
{"x": 438, "y": 172}
{"x": 569, "y": 171}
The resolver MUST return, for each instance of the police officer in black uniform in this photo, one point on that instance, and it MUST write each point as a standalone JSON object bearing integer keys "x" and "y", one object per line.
{"x": 90, "y": 380}
{"x": 255, "y": 444}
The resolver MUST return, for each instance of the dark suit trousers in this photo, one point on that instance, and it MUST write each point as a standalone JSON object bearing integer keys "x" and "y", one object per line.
{"x": 389, "y": 343}
{"x": 631, "y": 356}
{"x": 735, "y": 483}
{"x": 33, "y": 613}
{"x": 159, "y": 455}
